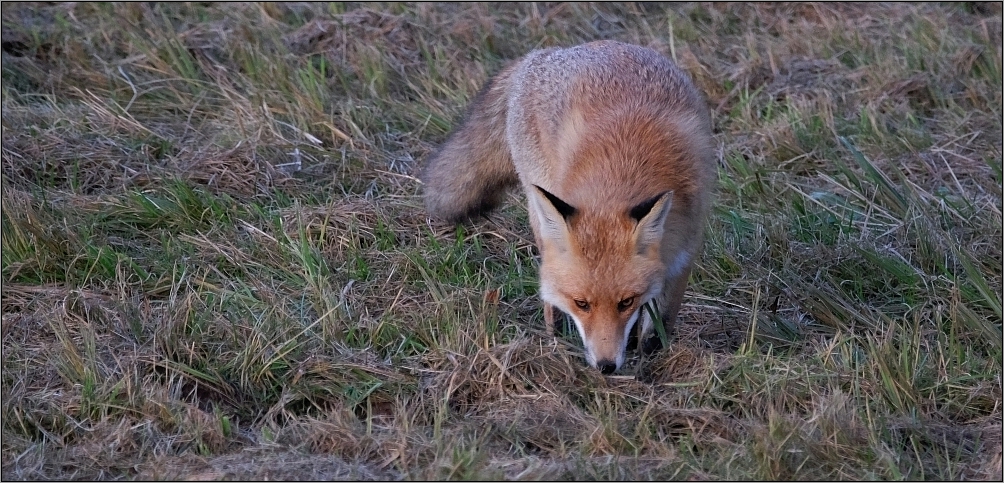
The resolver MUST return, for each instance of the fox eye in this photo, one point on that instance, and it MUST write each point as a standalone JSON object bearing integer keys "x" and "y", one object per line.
{"x": 625, "y": 304}
{"x": 582, "y": 304}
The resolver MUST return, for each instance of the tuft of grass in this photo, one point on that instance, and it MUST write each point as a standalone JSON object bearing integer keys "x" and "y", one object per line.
{"x": 215, "y": 264}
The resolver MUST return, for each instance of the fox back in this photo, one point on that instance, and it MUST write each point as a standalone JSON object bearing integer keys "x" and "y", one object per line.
{"x": 612, "y": 145}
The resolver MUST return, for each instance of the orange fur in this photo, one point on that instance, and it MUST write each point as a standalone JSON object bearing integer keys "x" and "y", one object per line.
{"x": 612, "y": 144}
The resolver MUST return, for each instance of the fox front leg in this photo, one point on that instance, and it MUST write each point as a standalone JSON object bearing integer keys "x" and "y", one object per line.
{"x": 548, "y": 318}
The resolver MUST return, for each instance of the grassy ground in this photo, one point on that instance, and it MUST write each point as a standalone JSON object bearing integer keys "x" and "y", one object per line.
{"x": 215, "y": 263}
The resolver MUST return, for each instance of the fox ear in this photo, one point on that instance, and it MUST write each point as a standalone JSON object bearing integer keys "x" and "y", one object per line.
{"x": 651, "y": 218}
{"x": 553, "y": 214}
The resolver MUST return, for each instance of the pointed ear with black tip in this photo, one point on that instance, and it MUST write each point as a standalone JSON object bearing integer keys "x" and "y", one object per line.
{"x": 651, "y": 218}
{"x": 552, "y": 213}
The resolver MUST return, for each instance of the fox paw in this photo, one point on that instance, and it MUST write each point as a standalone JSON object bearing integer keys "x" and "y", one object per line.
{"x": 651, "y": 344}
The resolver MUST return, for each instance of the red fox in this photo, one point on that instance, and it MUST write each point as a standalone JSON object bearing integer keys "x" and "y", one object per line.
{"x": 613, "y": 146}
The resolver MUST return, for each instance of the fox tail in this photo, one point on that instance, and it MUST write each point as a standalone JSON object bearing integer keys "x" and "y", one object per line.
{"x": 471, "y": 172}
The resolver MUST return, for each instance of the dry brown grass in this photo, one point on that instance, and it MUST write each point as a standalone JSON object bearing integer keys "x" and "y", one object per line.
{"x": 215, "y": 264}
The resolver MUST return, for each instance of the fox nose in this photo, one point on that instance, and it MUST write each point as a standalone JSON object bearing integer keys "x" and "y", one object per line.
{"x": 606, "y": 367}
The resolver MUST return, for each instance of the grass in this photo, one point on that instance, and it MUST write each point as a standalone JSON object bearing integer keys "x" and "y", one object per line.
{"x": 216, "y": 264}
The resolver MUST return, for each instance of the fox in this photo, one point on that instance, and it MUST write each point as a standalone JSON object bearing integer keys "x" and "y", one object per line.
{"x": 612, "y": 144}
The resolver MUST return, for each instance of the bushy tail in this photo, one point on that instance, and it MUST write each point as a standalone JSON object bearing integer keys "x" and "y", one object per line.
{"x": 471, "y": 171}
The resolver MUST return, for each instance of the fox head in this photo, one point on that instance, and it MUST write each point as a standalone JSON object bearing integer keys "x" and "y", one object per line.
{"x": 600, "y": 268}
